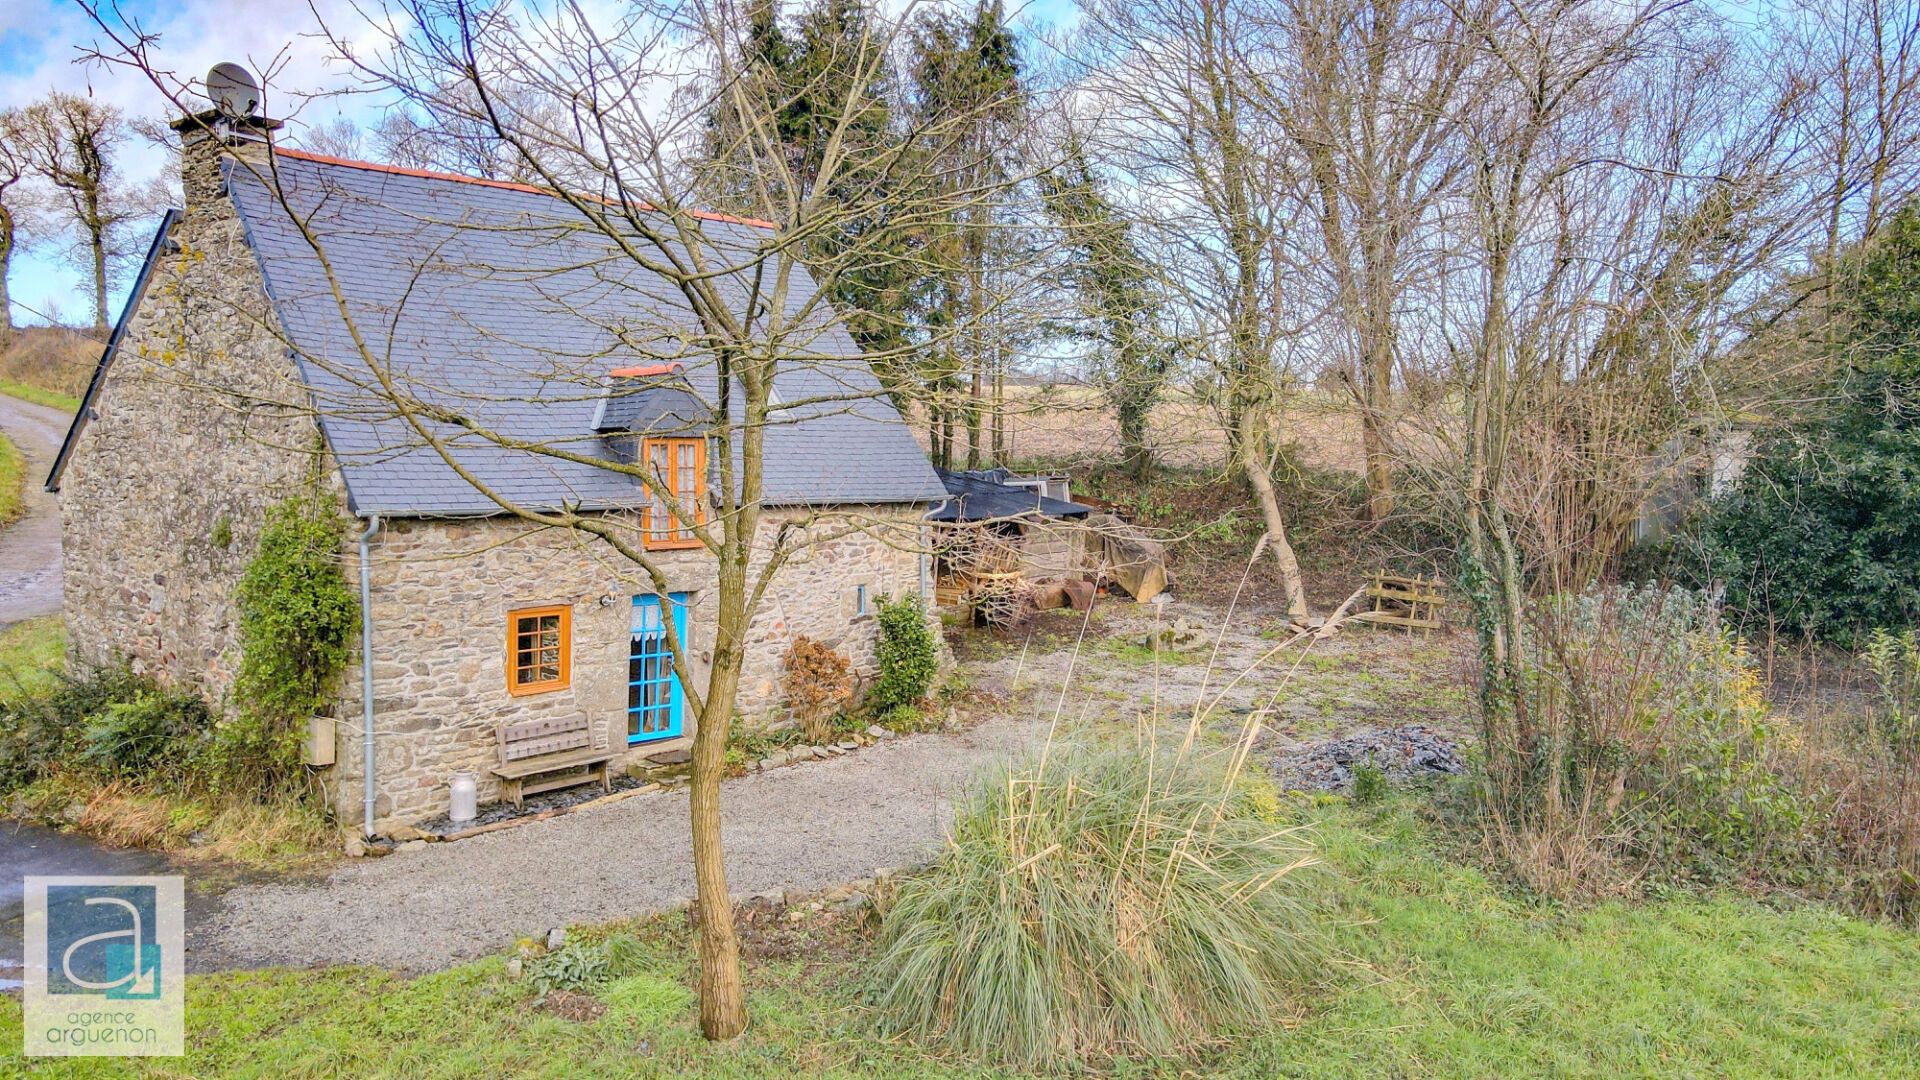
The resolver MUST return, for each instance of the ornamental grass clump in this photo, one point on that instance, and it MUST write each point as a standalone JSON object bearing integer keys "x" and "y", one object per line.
{"x": 1095, "y": 904}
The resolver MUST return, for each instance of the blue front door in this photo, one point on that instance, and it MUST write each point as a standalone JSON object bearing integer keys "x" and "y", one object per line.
{"x": 654, "y": 700}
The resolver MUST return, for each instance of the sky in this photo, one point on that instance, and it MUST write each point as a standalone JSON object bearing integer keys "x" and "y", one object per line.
{"x": 40, "y": 50}
{"x": 41, "y": 46}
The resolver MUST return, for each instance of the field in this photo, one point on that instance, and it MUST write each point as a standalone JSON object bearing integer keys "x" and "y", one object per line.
{"x": 1072, "y": 423}
{"x": 48, "y": 366}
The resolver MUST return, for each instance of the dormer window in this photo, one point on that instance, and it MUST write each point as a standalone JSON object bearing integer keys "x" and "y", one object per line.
{"x": 678, "y": 466}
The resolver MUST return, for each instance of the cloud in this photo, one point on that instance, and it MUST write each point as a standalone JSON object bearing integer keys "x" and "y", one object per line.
{"x": 43, "y": 47}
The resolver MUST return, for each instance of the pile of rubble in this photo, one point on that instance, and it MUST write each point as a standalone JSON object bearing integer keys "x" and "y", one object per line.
{"x": 1402, "y": 753}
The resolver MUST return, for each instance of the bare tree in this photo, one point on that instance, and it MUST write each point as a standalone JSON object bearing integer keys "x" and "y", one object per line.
{"x": 446, "y": 128}
{"x": 338, "y": 137}
{"x": 1856, "y": 67}
{"x": 612, "y": 120}
{"x": 1175, "y": 87}
{"x": 71, "y": 143}
{"x": 1639, "y": 189}
{"x": 1368, "y": 91}
{"x": 13, "y": 168}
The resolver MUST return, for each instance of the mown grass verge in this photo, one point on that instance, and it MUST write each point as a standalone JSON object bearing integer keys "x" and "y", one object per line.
{"x": 53, "y": 399}
{"x": 1438, "y": 971}
{"x": 13, "y": 481}
{"x": 32, "y": 653}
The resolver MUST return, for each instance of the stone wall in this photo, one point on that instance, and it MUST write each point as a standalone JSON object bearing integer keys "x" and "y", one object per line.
{"x": 442, "y": 594}
{"x": 196, "y": 432}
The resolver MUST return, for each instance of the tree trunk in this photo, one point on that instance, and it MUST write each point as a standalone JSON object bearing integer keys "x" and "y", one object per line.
{"x": 1500, "y": 592}
{"x": 1257, "y": 463}
{"x": 1376, "y": 390}
{"x": 976, "y": 307}
{"x": 1283, "y": 557}
{"x": 943, "y": 445}
{"x": 6, "y": 263}
{"x": 999, "y": 404}
{"x": 97, "y": 244}
{"x": 723, "y": 1002}
{"x": 1133, "y": 440}
{"x": 1379, "y": 468}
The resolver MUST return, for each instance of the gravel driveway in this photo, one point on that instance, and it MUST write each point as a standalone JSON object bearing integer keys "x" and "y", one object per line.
{"x": 30, "y": 547}
{"x": 806, "y": 826}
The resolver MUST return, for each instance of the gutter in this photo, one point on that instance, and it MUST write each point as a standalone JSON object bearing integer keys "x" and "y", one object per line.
{"x": 366, "y": 669}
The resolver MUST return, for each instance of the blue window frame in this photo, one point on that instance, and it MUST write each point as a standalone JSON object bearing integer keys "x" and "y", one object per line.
{"x": 655, "y": 704}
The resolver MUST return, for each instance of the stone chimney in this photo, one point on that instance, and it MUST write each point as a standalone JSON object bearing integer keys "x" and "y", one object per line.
{"x": 211, "y": 137}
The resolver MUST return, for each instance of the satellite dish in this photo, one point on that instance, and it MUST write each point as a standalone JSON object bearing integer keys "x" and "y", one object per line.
{"x": 232, "y": 89}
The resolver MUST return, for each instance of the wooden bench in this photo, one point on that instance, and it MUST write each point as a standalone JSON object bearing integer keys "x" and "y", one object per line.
{"x": 548, "y": 754}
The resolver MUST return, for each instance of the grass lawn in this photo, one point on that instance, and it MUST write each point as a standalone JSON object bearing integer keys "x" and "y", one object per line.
{"x": 32, "y": 654}
{"x": 39, "y": 396}
{"x": 1442, "y": 973}
{"x": 13, "y": 480}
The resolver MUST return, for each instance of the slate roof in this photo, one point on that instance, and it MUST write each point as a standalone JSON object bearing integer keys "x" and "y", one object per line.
{"x": 984, "y": 495}
{"x": 655, "y": 405}
{"x": 496, "y": 301}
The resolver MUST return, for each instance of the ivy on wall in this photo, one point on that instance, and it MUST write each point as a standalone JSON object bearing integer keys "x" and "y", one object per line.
{"x": 298, "y": 621}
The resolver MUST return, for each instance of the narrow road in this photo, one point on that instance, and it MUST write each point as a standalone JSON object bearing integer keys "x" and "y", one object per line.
{"x": 30, "y": 547}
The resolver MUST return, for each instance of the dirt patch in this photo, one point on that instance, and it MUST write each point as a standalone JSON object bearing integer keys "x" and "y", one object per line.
{"x": 771, "y": 931}
{"x": 570, "y": 1005}
{"x": 1227, "y": 673}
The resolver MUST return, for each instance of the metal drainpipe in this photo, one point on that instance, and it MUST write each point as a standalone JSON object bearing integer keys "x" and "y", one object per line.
{"x": 366, "y": 668}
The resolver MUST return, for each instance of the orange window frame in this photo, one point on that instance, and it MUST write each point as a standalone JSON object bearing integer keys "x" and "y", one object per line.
{"x": 524, "y": 649}
{"x": 656, "y": 537}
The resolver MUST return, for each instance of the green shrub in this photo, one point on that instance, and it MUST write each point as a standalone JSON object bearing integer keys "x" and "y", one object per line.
{"x": 1096, "y": 903}
{"x": 1369, "y": 783}
{"x": 154, "y": 729}
{"x": 908, "y": 655}
{"x": 43, "y": 732}
{"x": 906, "y": 719}
{"x": 1652, "y": 750}
{"x": 298, "y": 625}
{"x": 1894, "y": 660}
{"x": 1819, "y": 535}
{"x": 578, "y": 966}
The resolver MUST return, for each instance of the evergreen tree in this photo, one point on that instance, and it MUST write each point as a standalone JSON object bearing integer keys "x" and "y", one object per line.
{"x": 809, "y": 69}
{"x": 968, "y": 97}
{"x": 1115, "y": 291}
{"x": 1821, "y": 534}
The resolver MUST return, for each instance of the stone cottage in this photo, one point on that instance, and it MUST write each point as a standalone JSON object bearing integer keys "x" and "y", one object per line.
{"x": 340, "y": 337}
